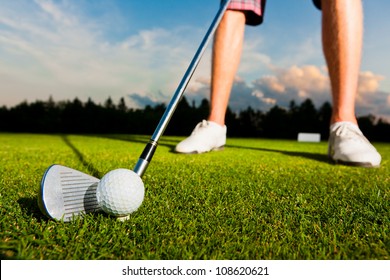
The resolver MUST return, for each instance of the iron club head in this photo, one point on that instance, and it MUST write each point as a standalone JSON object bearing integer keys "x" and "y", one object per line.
{"x": 66, "y": 193}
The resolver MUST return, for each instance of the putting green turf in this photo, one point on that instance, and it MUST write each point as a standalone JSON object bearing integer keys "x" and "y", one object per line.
{"x": 257, "y": 199}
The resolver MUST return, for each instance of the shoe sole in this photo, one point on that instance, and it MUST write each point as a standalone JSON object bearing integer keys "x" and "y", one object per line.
{"x": 197, "y": 152}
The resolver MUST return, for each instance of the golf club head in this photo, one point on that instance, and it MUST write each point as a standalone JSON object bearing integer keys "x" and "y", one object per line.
{"x": 66, "y": 193}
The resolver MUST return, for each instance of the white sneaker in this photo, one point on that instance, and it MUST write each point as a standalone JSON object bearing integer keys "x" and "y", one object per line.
{"x": 347, "y": 145}
{"x": 207, "y": 136}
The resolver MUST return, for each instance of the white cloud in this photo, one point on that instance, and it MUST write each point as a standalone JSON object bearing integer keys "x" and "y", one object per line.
{"x": 273, "y": 84}
{"x": 53, "y": 51}
{"x": 298, "y": 83}
{"x": 370, "y": 98}
{"x": 260, "y": 95}
{"x": 369, "y": 82}
{"x": 56, "y": 13}
{"x": 295, "y": 83}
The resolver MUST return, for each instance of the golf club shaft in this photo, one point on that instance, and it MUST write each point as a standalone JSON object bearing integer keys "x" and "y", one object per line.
{"x": 150, "y": 148}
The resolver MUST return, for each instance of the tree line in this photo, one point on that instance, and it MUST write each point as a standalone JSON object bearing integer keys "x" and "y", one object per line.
{"x": 88, "y": 117}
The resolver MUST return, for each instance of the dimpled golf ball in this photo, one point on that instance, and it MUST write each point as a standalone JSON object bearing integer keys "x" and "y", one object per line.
{"x": 120, "y": 192}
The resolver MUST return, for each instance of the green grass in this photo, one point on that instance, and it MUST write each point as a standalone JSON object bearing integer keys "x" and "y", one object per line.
{"x": 257, "y": 199}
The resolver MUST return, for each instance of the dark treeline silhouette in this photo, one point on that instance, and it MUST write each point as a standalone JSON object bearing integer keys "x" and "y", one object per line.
{"x": 88, "y": 117}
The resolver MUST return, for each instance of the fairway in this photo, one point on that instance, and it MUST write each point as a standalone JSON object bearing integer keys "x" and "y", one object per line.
{"x": 257, "y": 199}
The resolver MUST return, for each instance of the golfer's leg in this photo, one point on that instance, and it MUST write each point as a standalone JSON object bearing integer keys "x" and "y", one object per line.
{"x": 211, "y": 135}
{"x": 226, "y": 57}
{"x": 342, "y": 43}
{"x": 342, "y": 29}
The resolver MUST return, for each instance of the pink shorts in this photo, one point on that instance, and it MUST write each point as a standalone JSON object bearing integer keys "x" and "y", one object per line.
{"x": 254, "y": 9}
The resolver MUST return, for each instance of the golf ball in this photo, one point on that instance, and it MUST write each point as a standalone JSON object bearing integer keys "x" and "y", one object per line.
{"x": 120, "y": 192}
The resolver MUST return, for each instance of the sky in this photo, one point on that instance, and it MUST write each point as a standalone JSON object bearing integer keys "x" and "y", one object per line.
{"x": 139, "y": 50}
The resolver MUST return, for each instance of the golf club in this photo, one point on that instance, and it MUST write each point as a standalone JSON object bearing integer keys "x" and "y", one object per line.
{"x": 66, "y": 193}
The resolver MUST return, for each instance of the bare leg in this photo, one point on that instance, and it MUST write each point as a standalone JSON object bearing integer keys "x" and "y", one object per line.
{"x": 228, "y": 39}
{"x": 226, "y": 58}
{"x": 342, "y": 32}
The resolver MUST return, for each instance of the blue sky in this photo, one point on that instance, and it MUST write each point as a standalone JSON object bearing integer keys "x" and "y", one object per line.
{"x": 140, "y": 49}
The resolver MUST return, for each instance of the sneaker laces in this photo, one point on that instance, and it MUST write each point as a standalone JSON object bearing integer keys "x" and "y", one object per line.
{"x": 351, "y": 132}
{"x": 203, "y": 124}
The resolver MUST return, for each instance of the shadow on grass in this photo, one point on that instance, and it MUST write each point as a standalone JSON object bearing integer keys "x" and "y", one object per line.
{"x": 30, "y": 206}
{"x": 171, "y": 144}
{"x": 91, "y": 169}
{"x": 312, "y": 156}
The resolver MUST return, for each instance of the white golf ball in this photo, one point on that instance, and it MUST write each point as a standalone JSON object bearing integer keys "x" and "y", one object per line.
{"x": 120, "y": 192}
